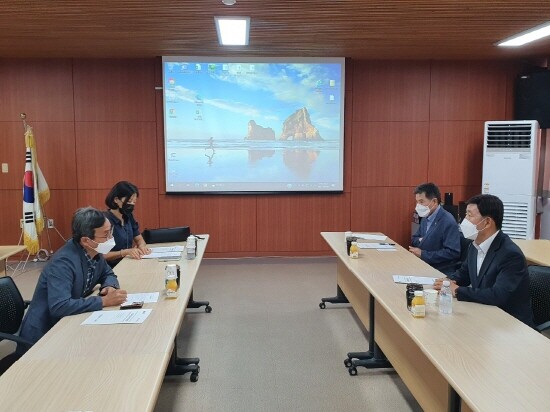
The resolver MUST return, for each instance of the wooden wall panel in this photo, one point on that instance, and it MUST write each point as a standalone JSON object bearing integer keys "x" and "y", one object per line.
{"x": 55, "y": 153}
{"x": 468, "y": 91}
{"x": 60, "y": 208}
{"x": 43, "y": 89}
{"x": 114, "y": 90}
{"x": 293, "y": 223}
{"x": 12, "y": 212}
{"x": 383, "y": 209}
{"x": 405, "y": 123}
{"x": 146, "y": 212}
{"x": 229, "y": 220}
{"x": 107, "y": 152}
{"x": 389, "y": 153}
{"x": 456, "y": 153}
{"x": 391, "y": 91}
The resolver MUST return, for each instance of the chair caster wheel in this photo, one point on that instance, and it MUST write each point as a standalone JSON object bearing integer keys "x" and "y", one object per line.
{"x": 194, "y": 377}
{"x": 347, "y": 362}
{"x": 208, "y": 309}
{"x": 352, "y": 371}
{"x": 322, "y": 305}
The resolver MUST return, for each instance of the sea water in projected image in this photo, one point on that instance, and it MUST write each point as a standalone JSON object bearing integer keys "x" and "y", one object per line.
{"x": 252, "y": 161}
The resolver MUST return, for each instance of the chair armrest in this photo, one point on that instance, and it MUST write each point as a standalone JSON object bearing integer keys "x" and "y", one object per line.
{"x": 15, "y": 338}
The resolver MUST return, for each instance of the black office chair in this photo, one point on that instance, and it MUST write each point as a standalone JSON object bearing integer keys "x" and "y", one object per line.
{"x": 12, "y": 309}
{"x": 539, "y": 289}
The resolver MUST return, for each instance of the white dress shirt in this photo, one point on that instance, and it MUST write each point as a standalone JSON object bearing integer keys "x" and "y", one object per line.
{"x": 482, "y": 249}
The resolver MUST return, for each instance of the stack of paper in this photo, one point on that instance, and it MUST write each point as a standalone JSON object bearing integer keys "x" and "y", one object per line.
{"x": 377, "y": 246}
{"x": 165, "y": 252}
{"x": 423, "y": 280}
{"x": 368, "y": 236}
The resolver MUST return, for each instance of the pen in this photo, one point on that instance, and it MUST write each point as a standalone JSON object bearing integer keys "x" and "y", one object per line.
{"x": 389, "y": 244}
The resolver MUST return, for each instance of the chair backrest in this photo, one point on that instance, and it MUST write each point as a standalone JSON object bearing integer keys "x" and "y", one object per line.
{"x": 12, "y": 306}
{"x": 166, "y": 235}
{"x": 539, "y": 289}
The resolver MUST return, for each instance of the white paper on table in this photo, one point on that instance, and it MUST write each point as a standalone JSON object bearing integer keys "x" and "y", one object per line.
{"x": 368, "y": 236}
{"x": 112, "y": 317}
{"x": 161, "y": 249}
{"x": 148, "y": 297}
{"x": 423, "y": 280}
{"x": 162, "y": 255}
{"x": 378, "y": 246}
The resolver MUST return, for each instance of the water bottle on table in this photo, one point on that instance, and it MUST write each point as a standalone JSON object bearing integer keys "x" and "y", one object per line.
{"x": 446, "y": 298}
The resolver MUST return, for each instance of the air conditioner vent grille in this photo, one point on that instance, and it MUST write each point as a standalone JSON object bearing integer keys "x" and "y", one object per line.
{"x": 509, "y": 136}
{"x": 516, "y": 219}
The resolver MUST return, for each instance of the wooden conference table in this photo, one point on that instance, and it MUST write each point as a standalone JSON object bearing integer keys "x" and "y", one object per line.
{"x": 104, "y": 368}
{"x": 537, "y": 252}
{"x": 5, "y": 253}
{"x": 491, "y": 360}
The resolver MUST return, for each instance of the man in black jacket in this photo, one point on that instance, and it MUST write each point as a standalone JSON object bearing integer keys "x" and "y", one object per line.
{"x": 495, "y": 272}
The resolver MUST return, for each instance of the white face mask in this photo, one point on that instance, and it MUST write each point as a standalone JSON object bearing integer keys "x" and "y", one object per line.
{"x": 105, "y": 247}
{"x": 469, "y": 230}
{"x": 422, "y": 210}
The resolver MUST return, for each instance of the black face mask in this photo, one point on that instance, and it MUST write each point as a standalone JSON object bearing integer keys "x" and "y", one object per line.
{"x": 127, "y": 209}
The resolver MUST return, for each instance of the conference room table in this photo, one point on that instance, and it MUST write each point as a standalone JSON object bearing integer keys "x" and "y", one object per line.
{"x": 104, "y": 368}
{"x": 478, "y": 358}
{"x": 536, "y": 251}
{"x": 5, "y": 253}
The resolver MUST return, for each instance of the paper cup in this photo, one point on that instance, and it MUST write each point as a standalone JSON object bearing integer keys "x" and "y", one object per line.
{"x": 430, "y": 296}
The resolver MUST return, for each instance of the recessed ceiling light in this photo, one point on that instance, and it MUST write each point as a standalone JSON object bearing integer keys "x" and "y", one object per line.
{"x": 233, "y": 31}
{"x": 526, "y": 36}
{"x": 229, "y": 2}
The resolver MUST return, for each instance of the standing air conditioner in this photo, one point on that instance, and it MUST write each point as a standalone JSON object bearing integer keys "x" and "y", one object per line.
{"x": 510, "y": 171}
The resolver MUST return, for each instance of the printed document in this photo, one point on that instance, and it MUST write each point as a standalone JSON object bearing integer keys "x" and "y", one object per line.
{"x": 377, "y": 246}
{"x": 148, "y": 297}
{"x": 423, "y": 280}
{"x": 112, "y": 317}
{"x": 165, "y": 252}
{"x": 368, "y": 236}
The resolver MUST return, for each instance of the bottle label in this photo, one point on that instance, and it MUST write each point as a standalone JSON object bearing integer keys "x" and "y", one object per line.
{"x": 419, "y": 311}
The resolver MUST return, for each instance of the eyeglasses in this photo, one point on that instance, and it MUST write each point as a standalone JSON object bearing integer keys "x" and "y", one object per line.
{"x": 108, "y": 236}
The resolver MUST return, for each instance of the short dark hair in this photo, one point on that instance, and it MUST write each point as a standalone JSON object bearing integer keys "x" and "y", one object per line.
{"x": 120, "y": 190}
{"x": 489, "y": 206}
{"x": 85, "y": 221}
{"x": 430, "y": 190}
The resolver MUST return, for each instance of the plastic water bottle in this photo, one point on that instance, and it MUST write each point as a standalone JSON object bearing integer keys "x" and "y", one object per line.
{"x": 446, "y": 298}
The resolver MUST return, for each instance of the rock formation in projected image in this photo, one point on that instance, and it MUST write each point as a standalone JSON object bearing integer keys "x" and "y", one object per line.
{"x": 298, "y": 126}
{"x": 257, "y": 132}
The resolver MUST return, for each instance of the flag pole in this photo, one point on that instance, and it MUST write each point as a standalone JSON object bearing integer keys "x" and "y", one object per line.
{"x": 42, "y": 254}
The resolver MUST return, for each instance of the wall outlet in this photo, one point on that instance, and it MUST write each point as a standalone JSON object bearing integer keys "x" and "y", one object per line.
{"x": 50, "y": 224}
{"x": 5, "y": 168}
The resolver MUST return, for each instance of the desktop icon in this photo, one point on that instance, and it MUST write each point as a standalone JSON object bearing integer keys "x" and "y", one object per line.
{"x": 198, "y": 67}
{"x": 332, "y": 83}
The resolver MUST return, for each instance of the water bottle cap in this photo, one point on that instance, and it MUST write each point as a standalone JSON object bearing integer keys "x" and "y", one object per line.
{"x": 446, "y": 283}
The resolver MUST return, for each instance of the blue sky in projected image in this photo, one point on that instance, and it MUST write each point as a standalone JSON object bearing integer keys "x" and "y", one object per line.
{"x": 220, "y": 100}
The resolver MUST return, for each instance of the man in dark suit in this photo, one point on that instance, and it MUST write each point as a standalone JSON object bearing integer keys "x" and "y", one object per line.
{"x": 437, "y": 240}
{"x": 495, "y": 271}
{"x": 65, "y": 284}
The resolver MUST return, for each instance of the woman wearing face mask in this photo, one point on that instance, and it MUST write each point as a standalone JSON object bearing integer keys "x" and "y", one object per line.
{"x": 121, "y": 201}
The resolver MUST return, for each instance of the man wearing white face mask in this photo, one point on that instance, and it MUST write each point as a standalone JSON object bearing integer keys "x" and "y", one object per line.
{"x": 495, "y": 271}
{"x": 437, "y": 240}
{"x": 65, "y": 284}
